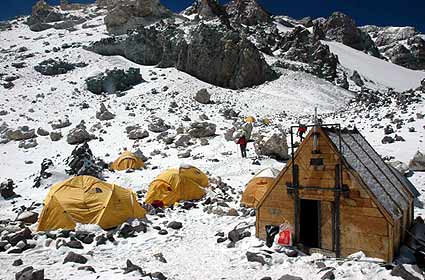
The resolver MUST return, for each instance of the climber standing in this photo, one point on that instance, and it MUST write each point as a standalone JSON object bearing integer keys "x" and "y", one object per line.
{"x": 242, "y": 142}
{"x": 301, "y": 130}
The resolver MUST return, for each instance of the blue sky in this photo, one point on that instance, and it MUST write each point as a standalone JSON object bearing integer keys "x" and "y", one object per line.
{"x": 378, "y": 12}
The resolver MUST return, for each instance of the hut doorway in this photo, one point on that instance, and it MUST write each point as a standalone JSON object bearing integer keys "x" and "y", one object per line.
{"x": 310, "y": 223}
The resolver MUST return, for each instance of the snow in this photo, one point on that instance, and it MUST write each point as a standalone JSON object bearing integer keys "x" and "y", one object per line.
{"x": 193, "y": 251}
{"x": 375, "y": 69}
{"x": 268, "y": 173}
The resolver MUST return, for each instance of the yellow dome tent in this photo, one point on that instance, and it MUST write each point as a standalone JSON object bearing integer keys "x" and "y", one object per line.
{"x": 88, "y": 200}
{"x": 173, "y": 185}
{"x": 257, "y": 186}
{"x": 250, "y": 119}
{"x": 127, "y": 160}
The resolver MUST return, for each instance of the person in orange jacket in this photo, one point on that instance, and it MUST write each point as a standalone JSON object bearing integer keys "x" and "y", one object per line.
{"x": 242, "y": 142}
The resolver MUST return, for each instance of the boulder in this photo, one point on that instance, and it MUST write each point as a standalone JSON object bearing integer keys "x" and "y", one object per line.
{"x": 22, "y": 133}
{"x": 114, "y": 81}
{"x": 40, "y": 26}
{"x": 103, "y": 114}
{"x": 51, "y": 67}
{"x": 275, "y": 146}
{"x": 27, "y": 217}
{"x": 28, "y": 144}
{"x": 175, "y": 225}
{"x": 61, "y": 123}
{"x": 137, "y": 133}
{"x": 29, "y": 273}
{"x": 75, "y": 258}
{"x": 289, "y": 277}
{"x": 6, "y": 189}
{"x": 78, "y": 135}
{"x": 254, "y": 257}
{"x": 42, "y": 132}
{"x": 130, "y": 267}
{"x": 43, "y": 13}
{"x": 83, "y": 162}
{"x": 55, "y": 136}
{"x": 202, "y": 129}
{"x": 418, "y": 162}
{"x": 158, "y": 125}
{"x": 202, "y": 96}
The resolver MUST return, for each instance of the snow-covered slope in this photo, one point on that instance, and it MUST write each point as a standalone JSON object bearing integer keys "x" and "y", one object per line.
{"x": 193, "y": 251}
{"x": 375, "y": 69}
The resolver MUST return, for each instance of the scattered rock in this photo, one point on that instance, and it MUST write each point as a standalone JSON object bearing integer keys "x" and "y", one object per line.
{"x": 42, "y": 132}
{"x": 28, "y": 217}
{"x": 418, "y": 162}
{"x": 75, "y": 258}
{"x": 29, "y": 273}
{"x": 289, "y": 277}
{"x": 254, "y": 257}
{"x": 413, "y": 273}
{"x": 78, "y": 135}
{"x": 202, "y": 129}
{"x": 55, "y": 136}
{"x": 275, "y": 146}
{"x": 6, "y": 189}
{"x": 104, "y": 114}
{"x": 158, "y": 125}
{"x": 175, "y": 225}
{"x": 22, "y": 133}
{"x": 202, "y": 96}
{"x": 87, "y": 268}
{"x": 17, "y": 262}
{"x": 51, "y": 67}
{"x": 132, "y": 267}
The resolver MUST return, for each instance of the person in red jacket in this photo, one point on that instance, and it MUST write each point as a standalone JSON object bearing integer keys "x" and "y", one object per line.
{"x": 242, "y": 142}
{"x": 301, "y": 130}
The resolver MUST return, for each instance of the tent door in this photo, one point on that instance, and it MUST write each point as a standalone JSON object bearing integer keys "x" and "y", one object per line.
{"x": 310, "y": 223}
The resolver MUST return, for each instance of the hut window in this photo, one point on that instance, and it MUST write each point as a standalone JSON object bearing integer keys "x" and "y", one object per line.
{"x": 316, "y": 161}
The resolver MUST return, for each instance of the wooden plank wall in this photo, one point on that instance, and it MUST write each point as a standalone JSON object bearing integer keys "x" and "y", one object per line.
{"x": 363, "y": 226}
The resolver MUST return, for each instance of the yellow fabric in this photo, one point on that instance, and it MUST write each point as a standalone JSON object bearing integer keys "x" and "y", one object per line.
{"x": 255, "y": 190}
{"x": 266, "y": 121}
{"x": 174, "y": 185}
{"x": 88, "y": 200}
{"x": 250, "y": 119}
{"x": 127, "y": 160}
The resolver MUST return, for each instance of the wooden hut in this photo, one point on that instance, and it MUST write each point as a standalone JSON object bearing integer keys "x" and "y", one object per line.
{"x": 339, "y": 196}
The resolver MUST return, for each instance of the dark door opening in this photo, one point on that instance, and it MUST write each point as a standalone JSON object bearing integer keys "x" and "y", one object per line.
{"x": 310, "y": 223}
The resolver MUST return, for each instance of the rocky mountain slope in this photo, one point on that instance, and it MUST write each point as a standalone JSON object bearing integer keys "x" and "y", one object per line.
{"x": 134, "y": 75}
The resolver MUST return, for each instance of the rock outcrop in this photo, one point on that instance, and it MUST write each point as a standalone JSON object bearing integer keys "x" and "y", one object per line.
{"x": 212, "y": 54}
{"x": 247, "y": 12}
{"x": 51, "y": 67}
{"x": 127, "y": 15}
{"x": 42, "y": 13}
{"x": 340, "y": 27}
{"x": 208, "y": 9}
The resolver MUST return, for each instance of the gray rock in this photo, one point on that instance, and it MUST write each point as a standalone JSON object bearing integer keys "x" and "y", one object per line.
{"x": 87, "y": 268}
{"x": 114, "y": 81}
{"x": 55, "y": 136}
{"x": 127, "y": 15}
{"x": 51, "y": 67}
{"x": 247, "y": 12}
{"x": 22, "y": 133}
{"x": 43, "y": 13}
{"x": 289, "y": 277}
{"x": 78, "y": 135}
{"x": 357, "y": 79}
{"x": 207, "y": 51}
{"x": 138, "y": 133}
{"x": 28, "y": 144}
{"x": 202, "y": 96}
{"x": 202, "y": 129}
{"x": 42, "y": 132}
{"x": 62, "y": 123}
{"x": 185, "y": 154}
{"x": 160, "y": 257}
{"x": 158, "y": 125}
{"x": 387, "y": 140}
{"x": 254, "y": 257}
{"x": 275, "y": 146}
{"x": 29, "y": 273}
{"x": 407, "y": 274}
{"x": 103, "y": 114}
{"x": 175, "y": 225}
{"x": 27, "y": 217}
{"x": 340, "y": 27}
{"x": 418, "y": 162}
{"x": 40, "y": 26}
{"x": 17, "y": 262}
{"x": 75, "y": 258}
{"x": 6, "y": 189}
{"x": 132, "y": 267}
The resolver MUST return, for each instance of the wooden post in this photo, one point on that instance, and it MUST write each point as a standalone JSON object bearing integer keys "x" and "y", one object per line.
{"x": 337, "y": 232}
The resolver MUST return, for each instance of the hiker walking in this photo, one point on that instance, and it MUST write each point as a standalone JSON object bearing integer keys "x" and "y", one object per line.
{"x": 301, "y": 130}
{"x": 242, "y": 142}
